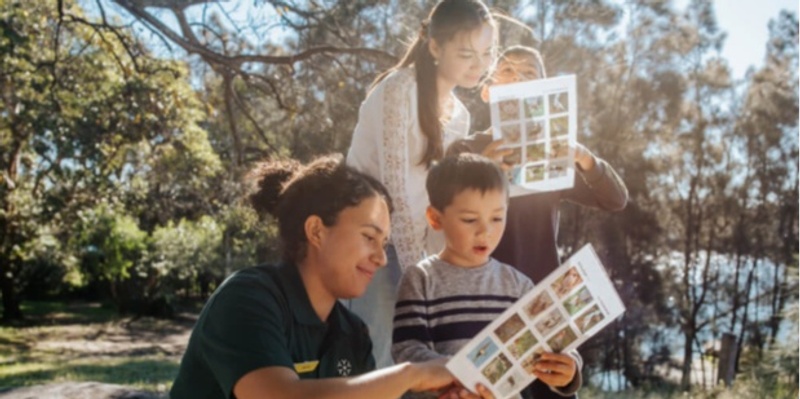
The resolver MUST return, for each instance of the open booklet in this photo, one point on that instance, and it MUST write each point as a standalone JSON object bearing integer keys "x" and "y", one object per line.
{"x": 572, "y": 304}
{"x": 538, "y": 121}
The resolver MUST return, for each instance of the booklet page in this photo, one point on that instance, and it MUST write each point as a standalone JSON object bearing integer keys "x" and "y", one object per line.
{"x": 568, "y": 307}
{"x": 538, "y": 121}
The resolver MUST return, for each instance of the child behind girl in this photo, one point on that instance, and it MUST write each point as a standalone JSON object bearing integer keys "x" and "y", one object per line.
{"x": 533, "y": 218}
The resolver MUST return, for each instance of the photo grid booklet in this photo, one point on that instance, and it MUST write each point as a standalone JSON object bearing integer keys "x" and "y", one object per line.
{"x": 568, "y": 307}
{"x": 538, "y": 122}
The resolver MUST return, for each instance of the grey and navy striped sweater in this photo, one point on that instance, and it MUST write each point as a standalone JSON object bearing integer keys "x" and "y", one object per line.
{"x": 441, "y": 307}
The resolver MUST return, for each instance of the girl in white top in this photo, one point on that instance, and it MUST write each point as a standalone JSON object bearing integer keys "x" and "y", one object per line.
{"x": 407, "y": 120}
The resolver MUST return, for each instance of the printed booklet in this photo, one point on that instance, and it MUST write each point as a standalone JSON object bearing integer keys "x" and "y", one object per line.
{"x": 572, "y": 304}
{"x": 538, "y": 120}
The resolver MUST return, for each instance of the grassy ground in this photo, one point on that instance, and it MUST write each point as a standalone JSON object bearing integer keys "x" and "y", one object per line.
{"x": 88, "y": 342}
{"x": 61, "y": 342}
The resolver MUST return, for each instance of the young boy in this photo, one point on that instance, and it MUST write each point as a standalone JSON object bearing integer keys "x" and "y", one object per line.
{"x": 446, "y": 299}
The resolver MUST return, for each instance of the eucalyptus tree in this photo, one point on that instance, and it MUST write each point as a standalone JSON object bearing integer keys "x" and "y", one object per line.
{"x": 766, "y": 135}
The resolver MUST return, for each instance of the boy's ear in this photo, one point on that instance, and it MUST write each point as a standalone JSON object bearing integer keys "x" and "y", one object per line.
{"x": 315, "y": 231}
{"x": 434, "y": 218}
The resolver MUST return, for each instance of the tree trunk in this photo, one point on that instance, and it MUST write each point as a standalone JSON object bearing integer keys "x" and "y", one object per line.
{"x": 686, "y": 370}
{"x": 777, "y": 303}
{"x": 11, "y": 308}
{"x": 727, "y": 359}
{"x": 746, "y": 297}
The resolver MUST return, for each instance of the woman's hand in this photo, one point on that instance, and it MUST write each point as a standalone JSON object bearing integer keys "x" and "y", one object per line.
{"x": 459, "y": 392}
{"x": 431, "y": 375}
{"x": 555, "y": 369}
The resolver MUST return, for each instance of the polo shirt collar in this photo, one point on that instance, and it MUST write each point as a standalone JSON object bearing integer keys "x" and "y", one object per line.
{"x": 300, "y": 305}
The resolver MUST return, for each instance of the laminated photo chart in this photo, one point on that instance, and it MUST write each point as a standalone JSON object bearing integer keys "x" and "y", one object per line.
{"x": 572, "y": 304}
{"x": 538, "y": 120}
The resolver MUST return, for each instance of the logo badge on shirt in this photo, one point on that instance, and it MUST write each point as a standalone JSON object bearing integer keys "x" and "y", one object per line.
{"x": 306, "y": 367}
{"x": 344, "y": 367}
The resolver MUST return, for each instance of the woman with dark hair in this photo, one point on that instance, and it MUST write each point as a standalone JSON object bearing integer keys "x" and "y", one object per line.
{"x": 279, "y": 331}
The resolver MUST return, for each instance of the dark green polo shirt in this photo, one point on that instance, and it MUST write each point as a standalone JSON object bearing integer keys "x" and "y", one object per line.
{"x": 262, "y": 317}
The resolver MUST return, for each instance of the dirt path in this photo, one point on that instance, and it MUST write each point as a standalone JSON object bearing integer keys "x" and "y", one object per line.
{"x": 139, "y": 353}
{"x": 125, "y": 337}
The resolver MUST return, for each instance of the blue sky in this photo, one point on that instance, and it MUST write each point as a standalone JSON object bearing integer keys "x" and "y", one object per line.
{"x": 745, "y": 22}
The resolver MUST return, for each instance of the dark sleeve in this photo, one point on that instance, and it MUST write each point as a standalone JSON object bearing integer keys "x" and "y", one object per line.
{"x": 244, "y": 330}
{"x": 367, "y": 361}
{"x": 599, "y": 188}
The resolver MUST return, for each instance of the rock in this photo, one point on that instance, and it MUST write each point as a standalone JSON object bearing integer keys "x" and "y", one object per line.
{"x": 78, "y": 390}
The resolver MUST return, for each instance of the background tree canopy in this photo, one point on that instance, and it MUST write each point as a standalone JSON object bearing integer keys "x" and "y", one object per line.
{"x": 126, "y": 127}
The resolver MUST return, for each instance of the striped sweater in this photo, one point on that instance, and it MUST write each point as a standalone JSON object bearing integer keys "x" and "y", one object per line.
{"x": 441, "y": 307}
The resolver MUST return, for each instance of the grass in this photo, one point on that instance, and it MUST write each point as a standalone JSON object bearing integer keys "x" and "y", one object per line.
{"x": 79, "y": 342}
{"x": 49, "y": 312}
{"x": 151, "y": 374}
{"x": 744, "y": 387}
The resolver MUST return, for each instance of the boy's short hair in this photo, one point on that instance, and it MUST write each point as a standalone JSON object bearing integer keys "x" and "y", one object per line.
{"x": 454, "y": 174}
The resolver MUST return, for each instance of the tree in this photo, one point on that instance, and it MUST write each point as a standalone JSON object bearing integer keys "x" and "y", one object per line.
{"x": 766, "y": 132}
{"x": 275, "y": 95}
{"x": 111, "y": 245}
{"x": 81, "y": 107}
{"x": 699, "y": 177}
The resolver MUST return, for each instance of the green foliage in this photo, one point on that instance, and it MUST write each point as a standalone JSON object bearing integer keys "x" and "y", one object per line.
{"x": 111, "y": 244}
{"x": 184, "y": 248}
{"x": 88, "y": 118}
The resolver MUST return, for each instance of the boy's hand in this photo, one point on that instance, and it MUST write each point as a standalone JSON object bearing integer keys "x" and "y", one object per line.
{"x": 555, "y": 369}
{"x": 459, "y": 392}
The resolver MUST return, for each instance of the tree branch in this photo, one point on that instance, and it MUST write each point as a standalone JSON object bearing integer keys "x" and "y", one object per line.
{"x": 190, "y": 43}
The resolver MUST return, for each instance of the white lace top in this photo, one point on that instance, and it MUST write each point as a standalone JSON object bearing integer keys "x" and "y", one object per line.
{"x": 388, "y": 144}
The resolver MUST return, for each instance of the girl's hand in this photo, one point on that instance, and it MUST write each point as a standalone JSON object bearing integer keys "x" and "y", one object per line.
{"x": 555, "y": 369}
{"x": 459, "y": 392}
{"x": 492, "y": 152}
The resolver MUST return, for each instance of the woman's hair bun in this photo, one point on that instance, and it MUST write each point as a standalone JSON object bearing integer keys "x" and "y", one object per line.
{"x": 268, "y": 181}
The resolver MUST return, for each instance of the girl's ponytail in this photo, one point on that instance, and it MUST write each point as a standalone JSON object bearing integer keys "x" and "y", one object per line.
{"x": 447, "y": 18}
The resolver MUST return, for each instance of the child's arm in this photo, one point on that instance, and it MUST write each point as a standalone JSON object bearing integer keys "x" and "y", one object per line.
{"x": 412, "y": 339}
{"x": 598, "y": 186}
